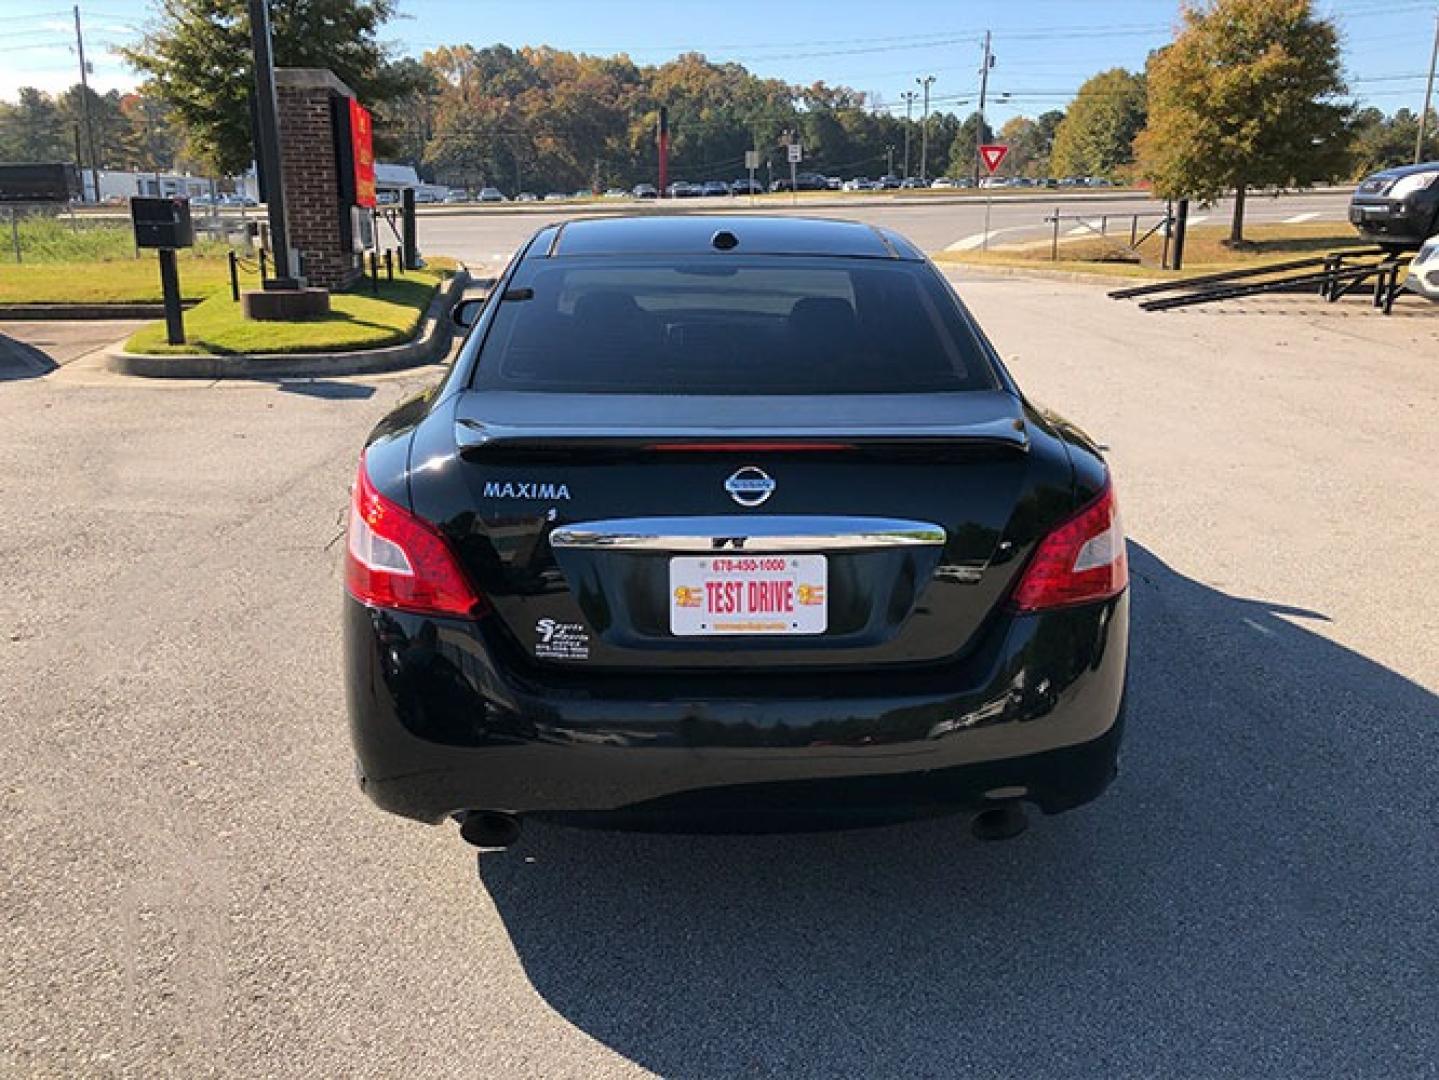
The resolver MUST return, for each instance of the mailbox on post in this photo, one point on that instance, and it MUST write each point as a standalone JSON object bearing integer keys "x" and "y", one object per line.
{"x": 164, "y": 225}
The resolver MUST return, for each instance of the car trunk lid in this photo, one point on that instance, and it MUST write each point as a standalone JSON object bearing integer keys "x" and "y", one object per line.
{"x": 589, "y": 514}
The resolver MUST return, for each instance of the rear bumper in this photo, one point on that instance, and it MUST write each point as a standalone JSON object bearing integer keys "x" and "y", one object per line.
{"x": 442, "y": 721}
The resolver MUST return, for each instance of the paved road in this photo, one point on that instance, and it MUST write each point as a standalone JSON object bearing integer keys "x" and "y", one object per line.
{"x": 193, "y": 886}
{"x": 487, "y": 238}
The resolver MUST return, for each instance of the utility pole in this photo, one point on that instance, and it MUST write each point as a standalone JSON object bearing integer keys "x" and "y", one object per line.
{"x": 85, "y": 107}
{"x": 1428, "y": 96}
{"x": 924, "y": 128}
{"x": 987, "y": 63}
{"x": 909, "y": 96}
{"x": 889, "y": 153}
{"x": 268, "y": 151}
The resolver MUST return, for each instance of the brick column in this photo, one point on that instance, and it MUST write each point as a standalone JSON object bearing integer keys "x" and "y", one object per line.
{"x": 312, "y": 181}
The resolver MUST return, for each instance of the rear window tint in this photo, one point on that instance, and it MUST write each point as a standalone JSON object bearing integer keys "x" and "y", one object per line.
{"x": 730, "y": 326}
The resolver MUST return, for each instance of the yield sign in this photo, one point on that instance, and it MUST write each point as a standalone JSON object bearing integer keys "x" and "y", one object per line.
{"x": 992, "y": 154}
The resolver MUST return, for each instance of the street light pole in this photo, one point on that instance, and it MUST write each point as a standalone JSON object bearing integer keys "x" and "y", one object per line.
{"x": 924, "y": 128}
{"x": 985, "y": 65}
{"x": 1428, "y": 96}
{"x": 267, "y": 155}
{"x": 85, "y": 108}
{"x": 909, "y": 96}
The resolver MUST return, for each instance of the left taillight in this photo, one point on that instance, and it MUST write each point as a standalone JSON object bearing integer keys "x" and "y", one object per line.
{"x": 393, "y": 559}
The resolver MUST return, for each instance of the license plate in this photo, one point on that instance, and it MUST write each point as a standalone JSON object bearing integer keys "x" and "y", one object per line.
{"x": 748, "y": 594}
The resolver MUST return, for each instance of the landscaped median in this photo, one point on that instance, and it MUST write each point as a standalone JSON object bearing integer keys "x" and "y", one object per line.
{"x": 1206, "y": 251}
{"x": 402, "y": 323}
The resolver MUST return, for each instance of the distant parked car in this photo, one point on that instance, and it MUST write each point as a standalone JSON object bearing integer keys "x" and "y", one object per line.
{"x": 943, "y": 182}
{"x": 616, "y": 193}
{"x": 805, "y": 181}
{"x": 645, "y": 191}
{"x": 527, "y": 196}
{"x": 1398, "y": 208}
{"x": 833, "y": 183}
{"x": 746, "y": 186}
{"x": 387, "y": 197}
{"x": 859, "y": 183}
{"x": 457, "y": 196}
{"x": 911, "y": 183}
{"x": 491, "y": 194}
{"x": 715, "y": 187}
{"x": 889, "y": 182}
{"x": 556, "y": 196}
{"x": 427, "y": 195}
{"x": 683, "y": 189}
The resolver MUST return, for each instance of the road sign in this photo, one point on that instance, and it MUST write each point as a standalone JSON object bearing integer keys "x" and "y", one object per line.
{"x": 992, "y": 154}
{"x": 751, "y": 160}
{"x": 796, "y": 153}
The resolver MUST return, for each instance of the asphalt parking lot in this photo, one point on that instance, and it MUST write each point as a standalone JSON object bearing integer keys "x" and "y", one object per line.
{"x": 194, "y": 886}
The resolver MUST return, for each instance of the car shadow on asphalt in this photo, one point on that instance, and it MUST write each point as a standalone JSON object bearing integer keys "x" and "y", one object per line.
{"x": 20, "y": 360}
{"x": 1254, "y": 896}
{"x": 330, "y": 389}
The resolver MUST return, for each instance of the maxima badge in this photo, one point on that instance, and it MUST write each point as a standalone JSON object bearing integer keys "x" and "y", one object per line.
{"x": 750, "y": 486}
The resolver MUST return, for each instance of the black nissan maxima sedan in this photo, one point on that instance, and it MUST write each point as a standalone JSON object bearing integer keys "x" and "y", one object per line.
{"x": 730, "y": 523}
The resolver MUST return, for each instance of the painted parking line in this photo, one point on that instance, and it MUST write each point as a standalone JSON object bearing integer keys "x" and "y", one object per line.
{"x": 970, "y": 243}
{"x": 1299, "y": 219}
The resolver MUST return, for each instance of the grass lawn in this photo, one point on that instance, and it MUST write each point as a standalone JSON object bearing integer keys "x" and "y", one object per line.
{"x": 113, "y": 281}
{"x": 88, "y": 261}
{"x": 1204, "y": 251}
{"x": 357, "y": 320}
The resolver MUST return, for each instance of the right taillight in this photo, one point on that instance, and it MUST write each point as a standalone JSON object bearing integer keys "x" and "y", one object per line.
{"x": 1080, "y": 561}
{"x": 393, "y": 559}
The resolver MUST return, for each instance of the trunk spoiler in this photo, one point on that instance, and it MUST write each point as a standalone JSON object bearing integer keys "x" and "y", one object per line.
{"x": 482, "y": 439}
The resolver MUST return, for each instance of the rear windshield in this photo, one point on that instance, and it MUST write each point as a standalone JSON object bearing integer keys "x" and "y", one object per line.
{"x": 723, "y": 325}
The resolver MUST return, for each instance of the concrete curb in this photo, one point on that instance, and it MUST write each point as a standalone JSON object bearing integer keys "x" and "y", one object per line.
{"x": 40, "y": 312}
{"x": 428, "y": 345}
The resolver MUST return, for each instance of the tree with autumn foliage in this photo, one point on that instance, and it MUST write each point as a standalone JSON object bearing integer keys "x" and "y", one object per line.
{"x": 1246, "y": 96}
{"x": 196, "y": 59}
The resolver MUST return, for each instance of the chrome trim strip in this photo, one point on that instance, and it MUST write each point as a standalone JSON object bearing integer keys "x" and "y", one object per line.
{"x": 758, "y": 533}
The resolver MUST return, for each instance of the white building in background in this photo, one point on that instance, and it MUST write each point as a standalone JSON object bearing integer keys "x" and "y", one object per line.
{"x": 117, "y": 184}
{"x": 393, "y": 179}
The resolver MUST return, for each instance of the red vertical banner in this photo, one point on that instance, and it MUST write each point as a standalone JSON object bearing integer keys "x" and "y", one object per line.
{"x": 362, "y": 141}
{"x": 664, "y": 148}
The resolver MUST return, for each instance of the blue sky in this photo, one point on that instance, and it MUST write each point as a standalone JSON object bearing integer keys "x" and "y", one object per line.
{"x": 1044, "y": 48}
